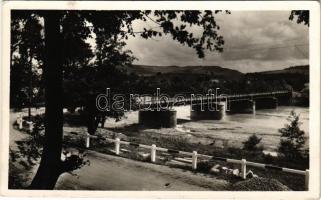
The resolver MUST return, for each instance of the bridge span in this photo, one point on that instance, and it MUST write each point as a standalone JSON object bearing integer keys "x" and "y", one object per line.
{"x": 157, "y": 111}
{"x": 163, "y": 100}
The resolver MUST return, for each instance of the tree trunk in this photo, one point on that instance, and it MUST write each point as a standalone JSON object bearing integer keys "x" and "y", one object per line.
{"x": 30, "y": 84}
{"x": 50, "y": 164}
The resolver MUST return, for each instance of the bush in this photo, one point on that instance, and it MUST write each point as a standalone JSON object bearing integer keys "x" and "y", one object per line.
{"x": 259, "y": 184}
{"x": 268, "y": 159}
{"x": 292, "y": 138}
{"x": 204, "y": 166}
{"x": 252, "y": 143}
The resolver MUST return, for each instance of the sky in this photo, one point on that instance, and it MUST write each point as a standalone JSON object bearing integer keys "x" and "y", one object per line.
{"x": 254, "y": 41}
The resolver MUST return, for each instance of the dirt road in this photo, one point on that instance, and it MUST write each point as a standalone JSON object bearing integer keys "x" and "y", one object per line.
{"x": 107, "y": 172}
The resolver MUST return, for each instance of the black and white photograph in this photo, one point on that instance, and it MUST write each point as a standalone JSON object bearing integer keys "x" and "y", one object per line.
{"x": 161, "y": 99}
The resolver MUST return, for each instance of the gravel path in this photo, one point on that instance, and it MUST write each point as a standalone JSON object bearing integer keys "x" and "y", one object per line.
{"x": 107, "y": 172}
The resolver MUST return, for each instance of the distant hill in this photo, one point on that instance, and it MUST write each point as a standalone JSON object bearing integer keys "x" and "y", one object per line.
{"x": 216, "y": 71}
{"x": 302, "y": 69}
{"x": 200, "y": 78}
{"x": 296, "y": 76}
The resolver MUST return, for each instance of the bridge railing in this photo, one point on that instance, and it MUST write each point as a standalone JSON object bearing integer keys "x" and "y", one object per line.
{"x": 219, "y": 97}
{"x": 194, "y": 155}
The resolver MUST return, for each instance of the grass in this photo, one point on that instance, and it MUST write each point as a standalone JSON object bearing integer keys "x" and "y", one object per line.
{"x": 183, "y": 144}
{"x": 170, "y": 142}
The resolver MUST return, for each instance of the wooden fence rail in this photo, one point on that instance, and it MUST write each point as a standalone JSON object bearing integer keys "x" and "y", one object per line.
{"x": 195, "y": 155}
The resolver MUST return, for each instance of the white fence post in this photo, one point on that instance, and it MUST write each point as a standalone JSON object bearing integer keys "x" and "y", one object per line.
{"x": 117, "y": 146}
{"x": 307, "y": 177}
{"x": 243, "y": 169}
{"x": 20, "y": 124}
{"x": 253, "y": 107}
{"x": 194, "y": 160}
{"x": 87, "y": 140}
{"x": 153, "y": 153}
{"x": 31, "y": 126}
{"x": 19, "y": 121}
{"x": 18, "y": 118}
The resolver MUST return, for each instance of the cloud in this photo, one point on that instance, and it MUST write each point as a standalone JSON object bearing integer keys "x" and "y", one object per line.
{"x": 254, "y": 40}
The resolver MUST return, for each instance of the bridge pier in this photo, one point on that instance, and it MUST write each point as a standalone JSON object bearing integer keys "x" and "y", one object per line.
{"x": 157, "y": 119}
{"x": 217, "y": 113}
{"x": 237, "y": 103}
{"x": 253, "y": 107}
{"x": 241, "y": 106}
{"x": 284, "y": 100}
{"x": 266, "y": 103}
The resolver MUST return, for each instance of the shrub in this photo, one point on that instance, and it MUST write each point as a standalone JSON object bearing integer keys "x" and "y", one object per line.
{"x": 268, "y": 159}
{"x": 252, "y": 143}
{"x": 260, "y": 184}
{"x": 204, "y": 166}
{"x": 292, "y": 138}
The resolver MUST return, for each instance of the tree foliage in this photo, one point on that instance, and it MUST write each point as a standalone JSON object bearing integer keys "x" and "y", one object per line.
{"x": 252, "y": 143}
{"x": 109, "y": 30}
{"x": 292, "y": 138}
{"x": 67, "y": 33}
{"x": 302, "y": 16}
{"x": 26, "y": 59}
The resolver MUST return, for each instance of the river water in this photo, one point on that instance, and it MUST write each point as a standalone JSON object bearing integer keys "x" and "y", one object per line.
{"x": 236, "y": 128}
{"x": 233, "y": 128}
{"x": 269, "y": 120}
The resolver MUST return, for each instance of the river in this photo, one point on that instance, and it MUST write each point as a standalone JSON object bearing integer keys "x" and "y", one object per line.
{"x": 234, "y": 128}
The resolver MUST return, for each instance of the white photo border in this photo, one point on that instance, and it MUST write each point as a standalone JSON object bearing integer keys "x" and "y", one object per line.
{"x": 314, "y": 118}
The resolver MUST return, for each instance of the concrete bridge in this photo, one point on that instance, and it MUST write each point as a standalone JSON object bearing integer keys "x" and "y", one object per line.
{"x": 158, "y": 112}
